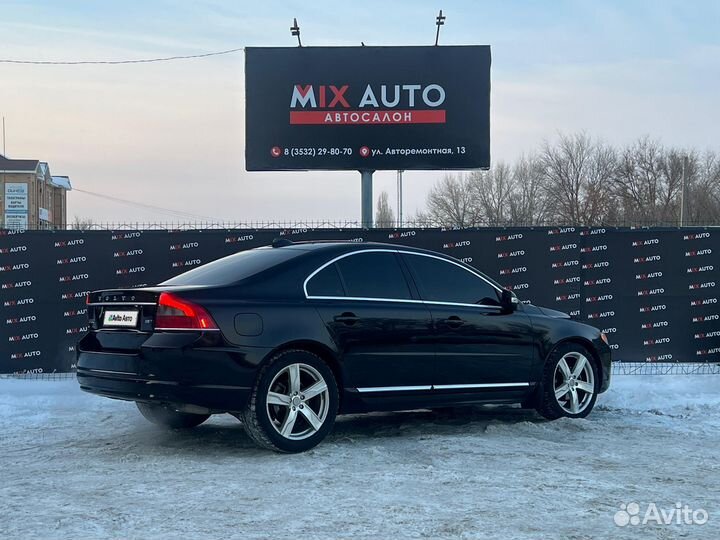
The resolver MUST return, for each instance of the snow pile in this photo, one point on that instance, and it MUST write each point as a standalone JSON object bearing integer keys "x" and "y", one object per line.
{"x": 74, "y": 465}
{"x": 666, "y": 392}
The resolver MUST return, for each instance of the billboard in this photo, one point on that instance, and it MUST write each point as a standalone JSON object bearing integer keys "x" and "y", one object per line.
{"x": 16, "y": 205}
{"x": 367, "y": 108}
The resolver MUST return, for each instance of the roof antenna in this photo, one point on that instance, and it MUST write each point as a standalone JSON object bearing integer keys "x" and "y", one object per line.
{"x": 281, "y": 242}
{"x": 295, "y": 31}
{"x": 3, "y": 153}
{"x": 439, "y": 21}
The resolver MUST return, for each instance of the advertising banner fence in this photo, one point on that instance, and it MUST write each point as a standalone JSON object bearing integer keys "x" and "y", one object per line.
{"x": 653, "y": 291}
{"x": 367, "y": 108}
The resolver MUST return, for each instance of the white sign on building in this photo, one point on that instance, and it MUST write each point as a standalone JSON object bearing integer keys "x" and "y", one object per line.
{"x": 16, "y": 205}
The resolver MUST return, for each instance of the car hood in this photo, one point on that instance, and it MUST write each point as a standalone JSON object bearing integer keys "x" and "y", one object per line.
{"x": 537, "y": 310}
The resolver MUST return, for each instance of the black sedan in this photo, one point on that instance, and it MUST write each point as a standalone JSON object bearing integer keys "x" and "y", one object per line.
{"x": 288, "y": 336}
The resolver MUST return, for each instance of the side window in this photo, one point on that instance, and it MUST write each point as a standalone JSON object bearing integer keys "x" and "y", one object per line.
{"x": 441, "y": 281}
{"x": 326, "y": 283}
{"x": 373, "y": 275}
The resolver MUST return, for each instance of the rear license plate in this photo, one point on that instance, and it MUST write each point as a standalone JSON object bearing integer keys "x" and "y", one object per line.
{"x": 124, "y": 318}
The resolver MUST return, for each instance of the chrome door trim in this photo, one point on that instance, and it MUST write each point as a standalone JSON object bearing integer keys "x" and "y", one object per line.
{"x": 371, "y": 389}
{"x": 394, "y": 388}
{"x": 483, "y": 385}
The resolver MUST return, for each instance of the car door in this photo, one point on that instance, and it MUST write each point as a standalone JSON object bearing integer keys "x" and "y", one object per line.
{"x": 479, "y": 346}
{"x": 382, "y": 330}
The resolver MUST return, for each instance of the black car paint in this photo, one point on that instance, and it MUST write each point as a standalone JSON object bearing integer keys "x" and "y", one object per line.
{"x": 366, "y": 343}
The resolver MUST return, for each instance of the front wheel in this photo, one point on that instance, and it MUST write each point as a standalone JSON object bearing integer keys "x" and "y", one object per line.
{"x": 293, "y": 404}
{"x": 162, "y": 415}
{"x": 570, "y": 383}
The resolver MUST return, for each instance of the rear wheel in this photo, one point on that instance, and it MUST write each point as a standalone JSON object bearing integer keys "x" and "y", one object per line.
{"x": 570, "y": 383}
{"x": 162, "y": 415}
{"x": 293, "y": 404}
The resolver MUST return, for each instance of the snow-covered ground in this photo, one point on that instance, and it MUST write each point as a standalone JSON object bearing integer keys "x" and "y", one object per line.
{"x": 78, "y": 466}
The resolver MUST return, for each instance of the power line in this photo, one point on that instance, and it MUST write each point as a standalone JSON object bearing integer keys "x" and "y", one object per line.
{"x": 159, "y": 209}
{"x": 116, "y": 62}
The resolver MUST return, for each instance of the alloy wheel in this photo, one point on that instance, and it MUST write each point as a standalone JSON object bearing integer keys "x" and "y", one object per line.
{"x": 574, "y": 382}
{"x": 298, "y": 401}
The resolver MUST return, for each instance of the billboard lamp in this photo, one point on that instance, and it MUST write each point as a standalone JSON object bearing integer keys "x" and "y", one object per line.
{"x": 439, "y": 21}
{"x": 295, "y": 31}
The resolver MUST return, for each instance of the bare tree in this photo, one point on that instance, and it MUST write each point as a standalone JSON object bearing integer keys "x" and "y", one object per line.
{"x": 82, "y": 224}
{"x": 648, "y": 182}
{"x": 702, "y": 192}
{"x": 384, "y": 215}
{"x": 528, "y": 204}
{"x": 494, "y": 189}
{"x": 577, "y": 174}
{"x": 580, "y": 181}
{"x": 452, "y": 203}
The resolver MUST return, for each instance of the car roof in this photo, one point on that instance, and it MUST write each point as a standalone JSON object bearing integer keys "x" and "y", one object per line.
{"x": 341, "y": 245}
{"x": 338, "y": 247}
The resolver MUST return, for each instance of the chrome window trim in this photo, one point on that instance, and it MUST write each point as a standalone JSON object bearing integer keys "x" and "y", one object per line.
{"x": 362, "y": 298}
{"x": 371, "y": 389}
{"x": 432, "y": 302}
{"x": 409, "y": 301}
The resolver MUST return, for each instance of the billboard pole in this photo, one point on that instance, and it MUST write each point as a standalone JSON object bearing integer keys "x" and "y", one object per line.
{"x": 399, "y": 197}
{"x": 366, "y": 199}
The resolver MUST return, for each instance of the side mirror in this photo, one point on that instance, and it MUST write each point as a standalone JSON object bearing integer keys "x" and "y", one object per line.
{"x": 509, "y": 301}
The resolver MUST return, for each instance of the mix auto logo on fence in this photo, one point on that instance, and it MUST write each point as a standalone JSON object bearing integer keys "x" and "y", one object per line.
{"x": 14, "y": 249}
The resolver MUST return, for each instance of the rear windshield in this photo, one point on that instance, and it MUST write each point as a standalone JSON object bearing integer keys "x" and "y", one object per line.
{"x": 234, "y": 267}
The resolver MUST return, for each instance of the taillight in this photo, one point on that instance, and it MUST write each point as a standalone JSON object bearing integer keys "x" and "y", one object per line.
{"x": 174, "y": 313}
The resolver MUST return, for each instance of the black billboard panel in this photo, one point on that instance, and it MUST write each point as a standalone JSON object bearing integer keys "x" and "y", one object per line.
{"x": 367, "y": 108}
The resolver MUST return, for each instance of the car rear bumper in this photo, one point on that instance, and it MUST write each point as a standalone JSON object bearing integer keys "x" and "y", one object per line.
{"x": 218, "y": 379}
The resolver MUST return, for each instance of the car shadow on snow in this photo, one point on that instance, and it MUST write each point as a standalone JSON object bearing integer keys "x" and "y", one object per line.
{"x": 224, "y": 434}
{"x": 445, "y": 421}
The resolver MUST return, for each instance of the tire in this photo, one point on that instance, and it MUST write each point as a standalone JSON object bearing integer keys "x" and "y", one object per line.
{"x": 293, "y": 421}
{"x": 162, "y": 415}
{"x": 570, "y": 369}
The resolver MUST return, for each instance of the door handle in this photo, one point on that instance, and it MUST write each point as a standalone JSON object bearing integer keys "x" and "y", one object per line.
{"x": 453, "y": 321}
{"x": 347, "y": 318}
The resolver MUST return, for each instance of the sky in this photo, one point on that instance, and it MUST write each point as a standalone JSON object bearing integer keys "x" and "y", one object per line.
{"x": 172, "y": 134}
